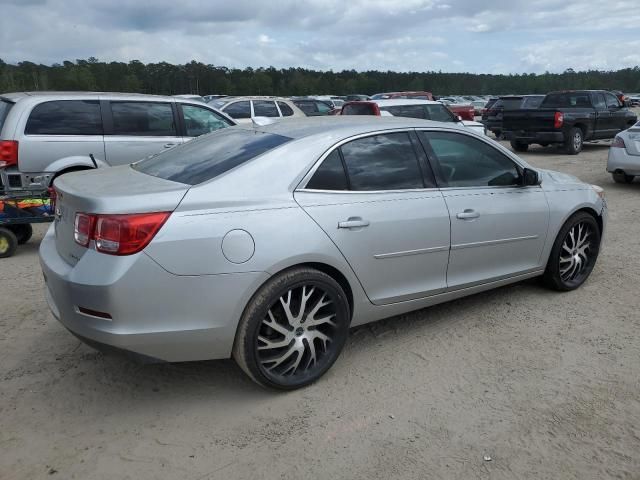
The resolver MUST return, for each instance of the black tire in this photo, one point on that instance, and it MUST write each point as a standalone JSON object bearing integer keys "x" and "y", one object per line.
{"x": 622, "y": 178}
{"x": 519, "y": 146}
{"x": 8, "y": 243}
{"x": 555, "y": 276}
{"x": 23, "y": 232}
{"x": 574, "y": 142}
{"x": 267, "y": 309}
{"x": 498, "y": 134}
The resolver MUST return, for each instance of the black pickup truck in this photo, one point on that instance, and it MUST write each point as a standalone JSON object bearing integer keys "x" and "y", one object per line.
{"x": 569, "y": 118}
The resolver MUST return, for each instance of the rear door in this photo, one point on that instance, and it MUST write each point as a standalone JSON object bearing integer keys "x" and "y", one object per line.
{"x": 498, "y": 228}
{"x": 137, "y": 129}
{"x": 390, "y": 223}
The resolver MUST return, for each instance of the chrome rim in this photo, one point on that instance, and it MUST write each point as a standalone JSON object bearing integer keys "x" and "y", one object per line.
{"x": 296, "y": 335}
{"x": 577, "y": 141}
{"x": 576, "y": 252}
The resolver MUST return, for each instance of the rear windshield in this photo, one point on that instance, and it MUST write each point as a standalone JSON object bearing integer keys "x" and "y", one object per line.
{"x": 208, "y": 156}
{"x": 571, "y": 99}
{"x": 359, "y": 109}
{"x": 4, "y": 111}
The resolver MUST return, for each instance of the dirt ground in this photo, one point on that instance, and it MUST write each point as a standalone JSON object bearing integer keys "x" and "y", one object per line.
{"x": 545, "y": 385}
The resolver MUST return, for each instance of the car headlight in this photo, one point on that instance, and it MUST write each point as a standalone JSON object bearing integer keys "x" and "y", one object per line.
{"x": 599, "y": 191}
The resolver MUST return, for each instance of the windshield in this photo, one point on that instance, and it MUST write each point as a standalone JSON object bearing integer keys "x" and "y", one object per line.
{"x": 359, "y": 109}
{"x": 208, "y": 156}
{"x": 4, "y": 111}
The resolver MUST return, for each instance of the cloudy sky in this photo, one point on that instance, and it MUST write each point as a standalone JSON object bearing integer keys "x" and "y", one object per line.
{"x": 483, "y": 36}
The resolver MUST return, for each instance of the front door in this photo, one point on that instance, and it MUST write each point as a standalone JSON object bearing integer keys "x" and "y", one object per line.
{"x": 498, "y": 228}
{"x": 390, "y": 223}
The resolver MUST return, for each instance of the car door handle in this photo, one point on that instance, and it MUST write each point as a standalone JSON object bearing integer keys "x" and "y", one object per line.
{"x": 354, "y": 222}
{"x": 169, "y": 145}
{"x": 468, "y": 214}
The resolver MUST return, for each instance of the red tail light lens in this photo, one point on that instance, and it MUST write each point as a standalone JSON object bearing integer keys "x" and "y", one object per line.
{"x": 558, "y": 120}
{"x": 8, "y": 153}
{"x": 618, "y": 142}
{"x": 118, "y": 234}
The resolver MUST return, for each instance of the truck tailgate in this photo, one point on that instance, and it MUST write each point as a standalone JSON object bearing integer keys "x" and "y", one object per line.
{"x": 528, "y": 120}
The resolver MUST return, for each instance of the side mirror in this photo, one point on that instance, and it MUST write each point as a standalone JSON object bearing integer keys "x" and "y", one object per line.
{"x": 530, "y": 178}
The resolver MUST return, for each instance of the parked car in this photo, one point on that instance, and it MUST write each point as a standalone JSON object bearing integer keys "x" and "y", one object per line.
{"x": 412, "y": 95}
{"x": 478, "y": 107}
{"x": 47, "y": 134}
{"x": 268, "y": 243}
{"x": 494, "y": 111}
{"x": 422, "y": 109}
{"x": 356, "y": 98}
{"x": 464, "y": 109}
{"x": 634, "y": 100}
{"x": 243, "y": 109}
{"x": 197, "y": 98}
{"x": 624, "y": 155}
{"x": 569, "y": 118}
{"x": 313, "y": 108}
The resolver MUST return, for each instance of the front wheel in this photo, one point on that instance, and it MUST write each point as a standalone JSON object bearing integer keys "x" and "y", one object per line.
{"x": 293, "y": 329}
{"x": 573, "y": 144}
{"x": 519, "y": 146}
{"x": 8, "y": 243}
{"x": 574, "y": 253}
{"x": 622, "y": 178}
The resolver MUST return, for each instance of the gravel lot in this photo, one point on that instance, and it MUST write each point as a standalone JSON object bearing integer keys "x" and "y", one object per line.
{"x": 546, "y": 385}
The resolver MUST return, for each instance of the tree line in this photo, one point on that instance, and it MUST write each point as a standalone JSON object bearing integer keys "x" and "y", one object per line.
{"x": 199, "y": 78}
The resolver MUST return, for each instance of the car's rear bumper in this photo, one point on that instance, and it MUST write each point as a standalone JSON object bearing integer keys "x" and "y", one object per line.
{"x": 534, "y": 137}
{"x": 154, "y": 313}
{"x": 620, "y": 160}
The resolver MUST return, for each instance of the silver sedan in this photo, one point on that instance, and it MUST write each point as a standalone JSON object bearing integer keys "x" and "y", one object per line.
{"x": 268, "y": 243}
{"x": 624, "y": 155}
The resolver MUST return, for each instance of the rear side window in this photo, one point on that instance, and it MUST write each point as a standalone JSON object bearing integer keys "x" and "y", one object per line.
{"x": 382, "y": 162}
{"x": 512, "y": 103}
{"x": 567, "y": 100}
{"x": 531, "y": 102}
{"x": 204, "y": 158}
{"x": 65, "y": 117}
{"x": 4, "y": 111}
{"x": 307, "y": 107}
{"x": 358, "y": 109}
{"x": 239, "y": 109}
{"x": 411, "y": 111}
{"x": 263, "y": 108}
{"x": 330, "y": 175}
{"x": 286, "y": 110}
{"x": 151, "y": 119}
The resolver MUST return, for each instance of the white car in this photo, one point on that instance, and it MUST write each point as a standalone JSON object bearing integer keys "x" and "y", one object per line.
{"x": 422, "y": 109}
{"x": 244, "y": 109}
{"x": 624, "y": 155}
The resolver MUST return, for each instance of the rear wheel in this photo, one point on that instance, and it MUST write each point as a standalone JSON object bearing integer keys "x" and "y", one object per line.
{"x": 8, "y": 243}
{"x": 574, "y": 253}
{"x": 23, "y": 232}
{"x": 573, "y": 143}
{"x": 622, "y": 178}
{"x": 519, "y": 146}
{"x": 293, "y": 329}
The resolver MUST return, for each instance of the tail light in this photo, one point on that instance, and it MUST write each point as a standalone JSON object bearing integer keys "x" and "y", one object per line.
{"x": 8, "y": 153}
{"x": 118, "y": 234}
{"x": 558, "y": 120}
{"x": 618, "y": 142}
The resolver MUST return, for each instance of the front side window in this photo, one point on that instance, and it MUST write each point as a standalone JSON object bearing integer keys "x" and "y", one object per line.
{"x": 465, "y": 161}
{"x": 263, "y": 108}
{"x": 612, "y": 101}
{"x": 204, "y": 158}
{"x": 239, "y": 109}
{"x": 323, "y": 107}
{"x": 285, "y": 109}
{"x": 148, "y": 119}
{"x": 438, "y": 113}
{"x": 65, "y": 117}
{"x": 198, "y": 120}
{"x": 382, "y": 162}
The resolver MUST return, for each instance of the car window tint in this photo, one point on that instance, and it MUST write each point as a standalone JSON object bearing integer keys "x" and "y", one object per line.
{"x": 308, "y": 108}
{"x": 382, "y": 162}
{"x": 438, "y": 113}
{"x": 532, "y": 102}
{"x": 465, "y": 161}
{"x": 411, "y": 111}
{"x": 285, "y": 109}
{"x": 65, "y": 117}
{"x": 611, "y": 100}
{"x": 263, "y": 108}
{"x": 207, "y": 157}
{"x": 571, "y": 99}
{"x": 358, "y": 109}
{"x": 239, "y": 109}
{"x": 198, "y": 120}
{"x": 598, "y": 101}
{"x": 4, "y": 111}
{"x": 323, "y": 107}
{"x": 330, "y": 175}
{"x": 152, "y": 119}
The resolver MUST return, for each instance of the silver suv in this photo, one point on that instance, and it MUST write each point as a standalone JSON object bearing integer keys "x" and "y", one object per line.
{"x": 46, "y": 134}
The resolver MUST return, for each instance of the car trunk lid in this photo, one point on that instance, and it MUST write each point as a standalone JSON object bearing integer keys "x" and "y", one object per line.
{"x": 632, "y": 141}
{"x": 116, "y": 190}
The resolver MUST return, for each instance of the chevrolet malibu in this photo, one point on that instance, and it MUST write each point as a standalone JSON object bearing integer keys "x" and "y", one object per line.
{"x": 268, "y": 243}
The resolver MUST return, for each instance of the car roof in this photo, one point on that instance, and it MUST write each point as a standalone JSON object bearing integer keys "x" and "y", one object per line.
{"x": 390, "y": 102}
{"x": 15, "y": 96}
{"x": 253, "y": 97}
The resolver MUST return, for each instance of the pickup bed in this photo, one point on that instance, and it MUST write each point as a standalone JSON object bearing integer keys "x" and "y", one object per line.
{"x": 568, "y": 118}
